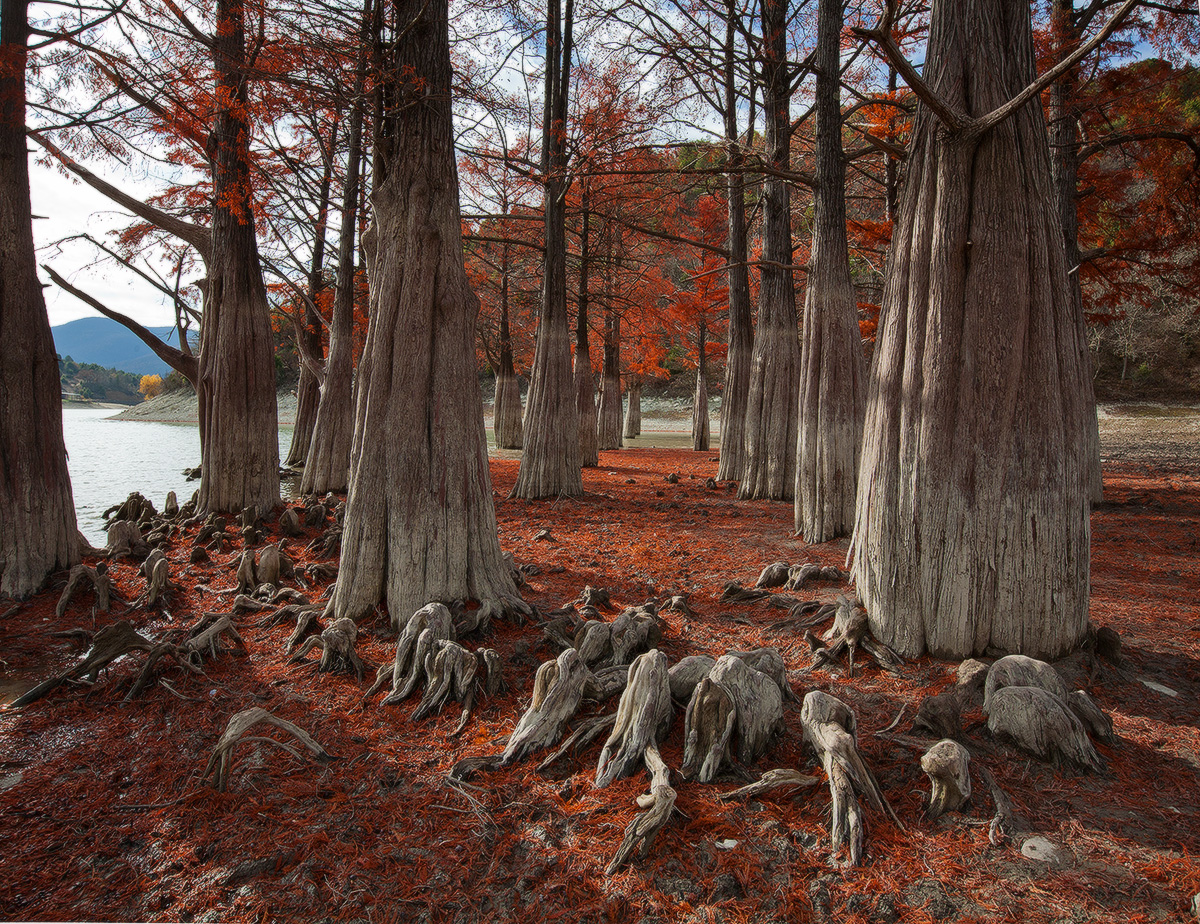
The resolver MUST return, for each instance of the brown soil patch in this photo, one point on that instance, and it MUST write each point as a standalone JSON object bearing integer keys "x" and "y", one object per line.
{"x": 103, "y": 816}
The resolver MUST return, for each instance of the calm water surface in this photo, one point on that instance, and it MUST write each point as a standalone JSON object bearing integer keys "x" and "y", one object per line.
{"x": 110, "y": 459}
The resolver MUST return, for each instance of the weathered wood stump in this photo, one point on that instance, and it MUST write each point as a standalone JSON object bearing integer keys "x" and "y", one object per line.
{"x": 558, "y": 690}
{"x": 247, "y": 579}
{"x": 1039, "y": 722}
{"x": 734, "y": 697}
{"x": 221, "y": 762}
{"x": 1022, "y": 671}
{"x": 124, "y": 538}
{"x": 643, "y": 717}
{"x": 427, "y": 626}
{"x": 273, "y": 565}
{"x": 289, "y": 523}
{"x": 80, "y": 575}
{"x": 830, "y": 727}
{"x": 337, "y": 649}
{"x": 850, "y": 632}
{"x": 948, "y": 766}
{"x": 800, "y": 575}
{"x": 773, "y": 575}
{"x": 451, "y": 672}
{"x": 708, "y": 730}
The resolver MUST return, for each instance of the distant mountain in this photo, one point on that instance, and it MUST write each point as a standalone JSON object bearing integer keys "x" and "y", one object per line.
{"x": 106, "y": 343}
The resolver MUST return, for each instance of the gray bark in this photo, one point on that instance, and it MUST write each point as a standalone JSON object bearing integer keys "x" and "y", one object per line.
{"x": 608, "y": 423}
{"x": 832, "y": 387}
{"x": 633, "y": 410}
{"x": 550, "y": 465}
{"x": 420, "y": 523}
{"x": 506, "y": 411}
{"x": 972, "y": 524}
{"x": 700, "y": 423}
{"x": 37, "y": 509}
{"x": 769, "y": 467}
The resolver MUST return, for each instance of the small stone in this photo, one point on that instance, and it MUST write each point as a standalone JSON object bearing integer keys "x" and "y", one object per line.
{"x": 1043, "y": 850}
{"x": 10, "y": 780}
{"x": 1196, "y": 906}
{"x": 1158, "y": 688}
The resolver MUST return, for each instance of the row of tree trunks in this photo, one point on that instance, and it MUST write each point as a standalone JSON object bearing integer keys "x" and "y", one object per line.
{"x": 420, "y": 524}
{"x": 832, "y": 388}
{"x": 37, "y": 509}
{"x": 769, "y": 467}
{"x": 972, "y": 524}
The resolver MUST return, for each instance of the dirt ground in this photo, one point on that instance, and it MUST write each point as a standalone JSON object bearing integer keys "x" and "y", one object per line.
{"x": 103, "y": 815}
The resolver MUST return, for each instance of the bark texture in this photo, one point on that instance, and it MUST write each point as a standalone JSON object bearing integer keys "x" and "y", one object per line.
{"x": 239, "y": 431}
{"x": 420, "y": 524}
{"x": 832, "y": 386}
{"x": 769, "y": 467}
{"x": 550, "y": 465}
{"x": 328, "y": 465}
{"x": 506, "y": 416}
{"x": 633, "y": 410}
{"x": 972, "y": 524}
{"x": 741, "y": 327}
{"x": 608, "y": 422}
{"x": 38, "y": 534}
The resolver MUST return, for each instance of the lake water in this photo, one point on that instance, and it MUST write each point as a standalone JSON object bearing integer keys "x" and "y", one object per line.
{"x": 110, "y": 459}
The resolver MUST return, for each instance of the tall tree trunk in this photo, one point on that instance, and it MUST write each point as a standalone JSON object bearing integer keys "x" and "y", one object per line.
{"x": 550, "y": 463}
{"x": 832, "y": 390}
{"x": 972, "y": 526}
{"x": 585, "y": 381}
{"x": 308, "y": 389}
{"x": 38, "y": 534}
{"x": 769, "y": 469}
{"x": 735, "y": 394}
{"x": 420, "y": 523}
{"x": 506, "y": 412}
{"x": 633, "y": 409}
{"x": 238, "y": 418}
{"x": 328, "y": 466}
{"x": 609, "y": 424}
{"x": 700, "y": 423}
{"x": 1064, "y": 118}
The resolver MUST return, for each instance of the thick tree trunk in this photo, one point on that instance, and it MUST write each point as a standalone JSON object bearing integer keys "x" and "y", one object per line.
{"x": 1064, "y": 116}
{"x": 972, "y": 525}
{"x": 420, "y": 524}
{"x": 585, "y": 381}
{"x": 550, "y": 464}
{"x": 700, "y": 425}
{"x": 769, "y": 469}
{"x": 633, "y": 410}
{"x": 238, "y": 418}
{"x": 38, "y": 534}
{"x": 609, "y": 421}
{"x": 506, "y": 411}
{"x": 328, "y": 466}
{"x": 832, "y": 387}
{"x": 736, "y": 392}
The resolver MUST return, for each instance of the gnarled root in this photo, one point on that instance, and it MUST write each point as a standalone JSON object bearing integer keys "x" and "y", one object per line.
{"x": 428, "y": 625}
{"x": 124, "y": 538}
{"x": 851, "y": 631}
{"x": 643, "y": 716}
{"x": 772, "y": 779}
{"x": 707, "y": 729}
{"x": 758, "y": 702}
{"x": 948, "y": 766}
{"x": 108, "y": 644}
{"x": 829, "y": 726}
{"x": 799, "y": 575}
{"x": 1022, "y": 671}
{"x": 557, "y": 691}
{"x": 204, "y": 637}
{"x": 450, "y": 671}
{"x": 221, "y": 761}
{"x": 80, "y": 575}
{"x": 658, "y": 803}
{"x": 337, "y": 649}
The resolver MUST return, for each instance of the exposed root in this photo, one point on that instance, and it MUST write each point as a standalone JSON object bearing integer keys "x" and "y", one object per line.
{"x": 430, "y": 624}
{"x": 585, "y": 733}
{"x": 658, "y": 803}
{"x": 851, "y": 631}
{"x": 204, "y": 637}
{"x": 337, "y": 649}
{"x": 948, "y": 766}
{"x": 1040, "y": 723}
{"x": 80, "y": 575}
{"x": 450, "y": 671}
{"x": 557, "y": 692}
{"x": 108, "y": 644}
{"x": 772, "y": 779}
{"x": 221, "y": 761}
{"x": 643, "y": 717}
{"x": 707, "y": 730}
{"x": 829, "y": 726}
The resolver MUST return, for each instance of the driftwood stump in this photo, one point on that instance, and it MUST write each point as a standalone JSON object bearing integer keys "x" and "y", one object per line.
{"x": 643, "y": 717}
{"x": 427, "y": 626}
{"x": 450, "y": 672}
{"x": 829, "y": 726}
{"x": 221, "y": 761}
{"x": 81, "y": 575}
{"x": 948, "y": 766}
{"x": 850, "y": 632}
{"x": 337, "y": 649}
{"x": 558, "y": 689}
{"x": 1039, "y": 722}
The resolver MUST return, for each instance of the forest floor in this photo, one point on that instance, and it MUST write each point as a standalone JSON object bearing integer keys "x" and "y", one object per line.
{"x": 103, "y": 815}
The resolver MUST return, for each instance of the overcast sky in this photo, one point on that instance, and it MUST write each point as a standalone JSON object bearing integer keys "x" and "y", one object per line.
{"x": 71, "y": 208}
